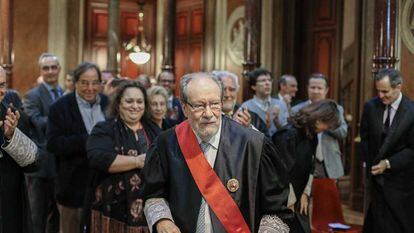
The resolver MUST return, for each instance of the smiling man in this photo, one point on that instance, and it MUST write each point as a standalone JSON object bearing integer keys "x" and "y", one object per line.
{"x": 71, "y": 119}
{"x": 230, "y": 108}
{"x": 328, "y": 162}
{"x": 209, "y": 168}
{"x": 41, "y": 183}
{"x": 387, "y": 134}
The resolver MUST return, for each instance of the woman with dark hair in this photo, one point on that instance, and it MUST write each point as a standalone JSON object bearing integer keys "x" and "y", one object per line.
{"x": 116, "y": 152}
{"x": 158, "y": 100}
{"x": 298, "y": 141}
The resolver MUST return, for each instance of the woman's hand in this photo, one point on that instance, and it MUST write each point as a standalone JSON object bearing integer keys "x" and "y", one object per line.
{"x": 140, "y": 161}
{"x": 304, "y": 204}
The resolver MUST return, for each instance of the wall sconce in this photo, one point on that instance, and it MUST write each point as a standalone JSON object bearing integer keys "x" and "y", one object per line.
{"x": 138, "y": 47}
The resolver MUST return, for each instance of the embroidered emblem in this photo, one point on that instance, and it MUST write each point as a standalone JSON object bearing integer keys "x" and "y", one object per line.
{"x": 233, "y": 185}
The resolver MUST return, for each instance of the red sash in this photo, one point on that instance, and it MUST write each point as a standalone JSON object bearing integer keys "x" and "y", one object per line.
{"x": 209, "y": 184}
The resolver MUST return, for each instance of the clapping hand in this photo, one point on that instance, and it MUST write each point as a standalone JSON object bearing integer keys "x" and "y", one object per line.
{"x": 288, "y": 99}
{"x": 10, "y": 123}
{"x": 243, "y": 117}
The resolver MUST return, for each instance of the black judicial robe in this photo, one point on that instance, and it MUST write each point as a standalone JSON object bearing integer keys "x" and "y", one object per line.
{"x": 14, "y": 204}
{"x": 244, "y": 154}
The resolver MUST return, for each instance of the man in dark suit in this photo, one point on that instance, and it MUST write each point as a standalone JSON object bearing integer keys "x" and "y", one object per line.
{"x": 71, "y": 119}
{"x": 166, "y": 79}
{"x": 387, "y": 133}
{"x": 41, "y": 183}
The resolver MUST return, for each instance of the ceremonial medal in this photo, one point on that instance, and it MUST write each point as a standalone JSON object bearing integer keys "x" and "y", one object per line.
{"x": 233, "y": 185}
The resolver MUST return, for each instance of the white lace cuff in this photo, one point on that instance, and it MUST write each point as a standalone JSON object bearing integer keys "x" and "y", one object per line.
{"x": 156, "y": 209}
{"x": 21, "y": 148}
{"x": 273, "y": 224}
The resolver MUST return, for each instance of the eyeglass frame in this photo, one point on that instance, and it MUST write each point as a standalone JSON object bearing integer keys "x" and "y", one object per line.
{"x": 47, "y": 68}
{"x": 203, "y": 107}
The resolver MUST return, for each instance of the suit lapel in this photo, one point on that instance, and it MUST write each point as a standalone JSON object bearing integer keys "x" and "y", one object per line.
{"x": 45, "y": 94}
{"x": 76, "y": 112}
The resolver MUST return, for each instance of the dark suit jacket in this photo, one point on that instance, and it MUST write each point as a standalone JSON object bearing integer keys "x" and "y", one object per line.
{"x": 395, "y": 186}
{"x": 36, "y": 105}
{"x": 66, "y": 139}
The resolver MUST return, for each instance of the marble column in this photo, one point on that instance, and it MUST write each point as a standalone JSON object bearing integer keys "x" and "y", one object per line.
{"x": 169, "y": 40}
{"x": 113, "y": 36}
{"x": 6, "y": 37}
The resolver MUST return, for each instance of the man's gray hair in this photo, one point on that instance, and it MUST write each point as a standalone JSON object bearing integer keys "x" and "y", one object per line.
{"x": 283, "y": 79}
{"x": 220, "y": 74}
{"x": 393, "y": 74}
{"x": 186, "y": 79}
{"x": 45, "y": 55}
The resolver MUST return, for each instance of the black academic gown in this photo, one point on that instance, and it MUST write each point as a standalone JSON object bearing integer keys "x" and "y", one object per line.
{"x": 244, "y": 154}
{"x": 298, "y": 150}
{"x": 14, "y": 204}
{"x": 391, "y": 207}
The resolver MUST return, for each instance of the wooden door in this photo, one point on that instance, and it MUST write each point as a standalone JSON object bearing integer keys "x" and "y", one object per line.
{"x": 189, "y": 37}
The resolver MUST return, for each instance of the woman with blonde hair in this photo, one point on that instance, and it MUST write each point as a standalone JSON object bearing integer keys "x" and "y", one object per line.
{"x": 158, "y": 99}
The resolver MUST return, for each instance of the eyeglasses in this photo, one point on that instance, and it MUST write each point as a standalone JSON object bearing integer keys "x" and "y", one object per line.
{"x": 166, "y": 81}
{"x": 214, "y": 106}
{"x": 52, "y": 67}
{"x": 264, "y": 80}
{"x": 84, "y": 83}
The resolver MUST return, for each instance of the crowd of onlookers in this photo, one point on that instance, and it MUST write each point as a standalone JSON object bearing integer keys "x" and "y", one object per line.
{"x": 92, "y": 136}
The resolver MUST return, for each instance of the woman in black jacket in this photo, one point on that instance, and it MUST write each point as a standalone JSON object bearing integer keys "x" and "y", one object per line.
{"x": 116, "y": 152}
{"x": 297, "y": 142}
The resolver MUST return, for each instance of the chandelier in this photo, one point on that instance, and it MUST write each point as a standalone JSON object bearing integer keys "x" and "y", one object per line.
{"x": 138, "y": 47}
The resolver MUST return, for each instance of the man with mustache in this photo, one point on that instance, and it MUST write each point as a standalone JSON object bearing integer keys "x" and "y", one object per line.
{"x": 209, "y": 169}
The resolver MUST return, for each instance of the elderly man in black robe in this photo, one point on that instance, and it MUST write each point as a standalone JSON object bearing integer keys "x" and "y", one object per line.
{"x": 17, "y": 155}
{"x": 210, "y": 174}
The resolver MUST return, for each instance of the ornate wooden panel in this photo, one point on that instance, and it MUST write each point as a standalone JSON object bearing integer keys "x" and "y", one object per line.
{"x": 324, "y": 54}
{"x": 189, "y": 37}
{"x": 325, "y": 13}
{"x": 319, "y": 52}
{"x": 99, "y": 23}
